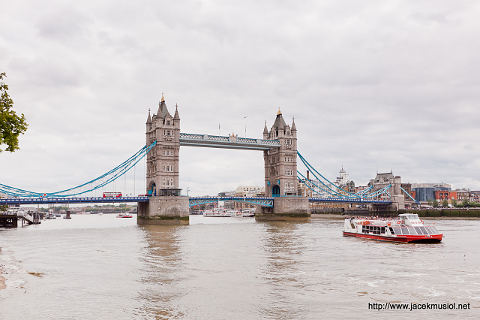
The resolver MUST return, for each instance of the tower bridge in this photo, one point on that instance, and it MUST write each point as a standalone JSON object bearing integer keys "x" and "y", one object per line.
{"x": 164, "y": 204}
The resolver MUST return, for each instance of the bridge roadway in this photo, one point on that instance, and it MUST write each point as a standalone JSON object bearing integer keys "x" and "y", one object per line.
{"x": 194, "y": 201}
{"x": 48, "y": 200}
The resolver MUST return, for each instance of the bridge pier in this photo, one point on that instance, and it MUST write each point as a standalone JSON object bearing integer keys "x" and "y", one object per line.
{"x": 285, "y": 209}
{"x": 171, "y": 210}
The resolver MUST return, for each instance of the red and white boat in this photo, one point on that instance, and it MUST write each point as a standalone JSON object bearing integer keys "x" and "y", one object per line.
{"x": 406, "y": 228}
{"x": 124, "y": 215}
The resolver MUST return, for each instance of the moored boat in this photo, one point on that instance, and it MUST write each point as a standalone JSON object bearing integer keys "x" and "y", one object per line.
{"x": 217, "y": 212}
{"x": 406, "y": 228}
{"x": 124, "y": 215}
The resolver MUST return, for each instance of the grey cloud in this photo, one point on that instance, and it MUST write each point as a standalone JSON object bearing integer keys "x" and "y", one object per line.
{"x": 374, "y": 85}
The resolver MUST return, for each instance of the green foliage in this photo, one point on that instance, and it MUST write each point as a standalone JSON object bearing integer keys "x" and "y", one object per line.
{"x": 454, "y": 203}
{"x": 435, "y": 204}
{"x": 11, "y": 125}
{"x": 445, "y": 203}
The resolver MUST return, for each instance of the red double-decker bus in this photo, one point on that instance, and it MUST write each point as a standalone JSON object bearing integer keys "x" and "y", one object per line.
{"x": 112, "y": 194}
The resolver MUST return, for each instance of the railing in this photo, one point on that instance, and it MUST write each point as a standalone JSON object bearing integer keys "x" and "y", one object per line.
{"x": 8, "y": 201}
{"x": 235, "y": 142}
{"x": 261, "y": 201}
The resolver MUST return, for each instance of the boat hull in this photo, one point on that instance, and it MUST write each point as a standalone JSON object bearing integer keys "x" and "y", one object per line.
{"x": 404, "y": 238}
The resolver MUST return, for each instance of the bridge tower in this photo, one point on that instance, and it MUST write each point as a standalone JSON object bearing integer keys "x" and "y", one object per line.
{"x": 281, "y": 163}
{"x": 281, "y": 174}
{"x": 166, "y": 205}
{"x": 384, "y": 179}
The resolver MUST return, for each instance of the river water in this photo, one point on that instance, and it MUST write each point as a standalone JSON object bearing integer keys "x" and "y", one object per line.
{"x": 100, "y": 267}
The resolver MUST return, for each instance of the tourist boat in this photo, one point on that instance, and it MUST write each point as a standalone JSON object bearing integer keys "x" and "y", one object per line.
{"x": 124, "y": 215}
{"x": 406, "y": 228}
{"x": 217, "y": 212}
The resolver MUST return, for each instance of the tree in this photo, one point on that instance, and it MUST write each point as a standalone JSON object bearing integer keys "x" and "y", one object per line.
{"x": 445, "y": 203}
{"x": 454, "y": 203}
{"x": 11, "y": 125}
{"x": 435, "y": 203}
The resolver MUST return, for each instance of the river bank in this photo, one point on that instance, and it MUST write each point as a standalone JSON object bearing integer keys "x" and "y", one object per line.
{"x": 341, "y": 216}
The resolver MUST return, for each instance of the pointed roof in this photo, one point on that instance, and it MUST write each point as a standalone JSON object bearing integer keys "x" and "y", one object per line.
{"x": 149, "y": 119}
{"x": 162, "y": 109}
{"x": 176, "y": 116}
{"x": 294, "y": 127}
{"x": 265, "y": 130}
{"x": 279, "y": 122}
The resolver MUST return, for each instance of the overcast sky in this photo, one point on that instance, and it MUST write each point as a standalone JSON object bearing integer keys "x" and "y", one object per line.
{"x": 373, "y": 85}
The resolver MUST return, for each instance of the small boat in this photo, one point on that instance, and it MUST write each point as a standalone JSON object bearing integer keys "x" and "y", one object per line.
{"x": 50, "y": 216}
{"x": 406, "y": 228}
{"x": 248, "y": 213}
{"x": 124, "y": 215}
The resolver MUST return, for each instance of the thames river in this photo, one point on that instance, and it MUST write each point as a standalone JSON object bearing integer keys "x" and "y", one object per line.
{"x": 101, "y": 267}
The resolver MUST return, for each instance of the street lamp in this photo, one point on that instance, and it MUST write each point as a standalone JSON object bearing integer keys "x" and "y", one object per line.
{"x": 244, "y": 118}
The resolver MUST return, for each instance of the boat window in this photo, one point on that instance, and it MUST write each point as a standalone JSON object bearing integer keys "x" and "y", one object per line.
{"x": 377, "y": 230}
{"x": 428, "y": 230}
{"x": 382, "y": 230}
{"x": 423, "y": 230}
{"x": 411, "y": 230}
{"x": 419, "y": 231}
{"x": 434, "y": 230}
{"x": 391, "y": 230}
{"x": 404, "y": 230}
{"x": 397, "y": 230}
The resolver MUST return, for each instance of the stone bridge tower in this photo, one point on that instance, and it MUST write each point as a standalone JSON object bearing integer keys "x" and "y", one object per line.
{"x": 162, "y": 160}
{"x": 281, "y": 163}
{"x": 385, "y": 179}
{"x": 281, "y": 174}
{"x": 165, "y": 205}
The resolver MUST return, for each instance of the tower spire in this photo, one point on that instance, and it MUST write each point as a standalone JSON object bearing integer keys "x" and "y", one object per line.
{"x": 176, "y": 116}
{"x": 294, "y": 127}
{"x": 265, "y": 129}
{"x": 149, "y": 119}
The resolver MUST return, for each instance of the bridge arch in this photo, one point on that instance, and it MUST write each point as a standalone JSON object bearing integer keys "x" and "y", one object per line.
{"x": 276, "y": 191}
{"x": 152, "y": 189}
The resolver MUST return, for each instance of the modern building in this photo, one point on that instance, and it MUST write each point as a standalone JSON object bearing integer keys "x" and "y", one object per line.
{"x": 425, "y": 192}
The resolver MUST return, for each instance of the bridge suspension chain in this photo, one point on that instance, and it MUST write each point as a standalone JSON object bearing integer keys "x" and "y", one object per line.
{"x": 364, "y": 194}
{"x": 90, "y": 185}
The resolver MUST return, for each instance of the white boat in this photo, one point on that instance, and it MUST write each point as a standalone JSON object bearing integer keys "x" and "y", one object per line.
{"x": 406, "y": 228}
{"x": 217, "y": 212}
